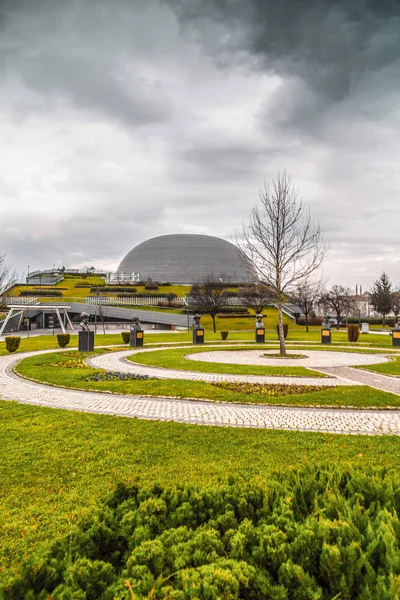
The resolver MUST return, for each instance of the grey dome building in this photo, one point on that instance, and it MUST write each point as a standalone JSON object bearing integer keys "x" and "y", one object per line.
{"x": 187, "y": 258}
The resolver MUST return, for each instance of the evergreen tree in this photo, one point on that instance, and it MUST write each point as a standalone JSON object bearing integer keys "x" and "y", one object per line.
{"x": 381, "y": 296}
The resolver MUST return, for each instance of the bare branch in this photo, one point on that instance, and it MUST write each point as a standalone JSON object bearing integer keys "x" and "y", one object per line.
{"x": 282, "y": 242}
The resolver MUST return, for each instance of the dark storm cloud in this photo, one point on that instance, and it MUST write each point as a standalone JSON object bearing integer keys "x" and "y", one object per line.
{"x": 81, "y": 53}
{"x": 325, "y": 48}
{"x": 128, "y": 119}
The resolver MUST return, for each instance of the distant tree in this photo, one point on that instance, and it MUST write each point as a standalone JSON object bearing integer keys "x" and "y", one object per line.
{"x": 396, "y": 301}
{"x": 282, "y": 242}
{"x": 381, "y": 296}
{"x": 8, "y": 275}
{"x": 338, "y": 299}
{"x": 207, "y": 297}
{"x": 256, "y": 296}
{"x": 306, "y": 296}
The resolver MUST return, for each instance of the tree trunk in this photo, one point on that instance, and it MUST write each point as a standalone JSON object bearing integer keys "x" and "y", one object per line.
{"x": 384, "y": 321}
{"x": 306, "y": 321}
{"x": 337, "y": 320}
{"x": 213, "y": 318}
{"x": 282, "y": 348}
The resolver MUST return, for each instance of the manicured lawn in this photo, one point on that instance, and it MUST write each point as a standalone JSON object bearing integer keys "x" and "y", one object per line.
{"x": 174, "y": 358}
{"x": 37, "y": 368}
{"x": 389, "y": 368}
{"x": 69, "y": 283}
{"x": 56, "y": 465}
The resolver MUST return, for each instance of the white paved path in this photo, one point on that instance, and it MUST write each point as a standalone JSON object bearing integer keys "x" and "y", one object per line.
{"x": 312, "y": 359}
{"x": 373, "y": 422}
{"x": 116, "y": 361}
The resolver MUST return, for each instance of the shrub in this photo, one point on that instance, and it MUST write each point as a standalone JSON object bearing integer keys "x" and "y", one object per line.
{"x": 126, "y": 336}
{"x": 313, "y": 532}
{"x": 63, "y": 339}
{"x": 224, "y": 333}
{"x": 285, "y": 330}
{"x": 151, "y": 286}
{"x": 353, "y": 332}
{"x": 12, "y": 343}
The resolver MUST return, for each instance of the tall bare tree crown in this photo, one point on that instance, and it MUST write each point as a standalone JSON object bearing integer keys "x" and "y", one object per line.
{"x": 281, "y": 240}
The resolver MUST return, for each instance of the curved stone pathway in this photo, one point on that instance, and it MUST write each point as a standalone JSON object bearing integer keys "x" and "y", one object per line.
{"x": 385, "y": 383}
{"x": 371, "y": 422}
{"x": 116, "y": 361}
{"x": 312, "y": 359}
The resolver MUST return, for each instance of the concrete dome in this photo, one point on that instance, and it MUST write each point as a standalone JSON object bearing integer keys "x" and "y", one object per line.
{"x": 183, "y": 258}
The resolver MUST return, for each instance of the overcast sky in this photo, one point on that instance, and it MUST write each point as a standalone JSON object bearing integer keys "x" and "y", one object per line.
{"x": 122, "y": 120}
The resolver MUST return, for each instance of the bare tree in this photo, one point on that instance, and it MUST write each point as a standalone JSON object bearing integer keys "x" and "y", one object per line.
{"x": 340, "y": 300}
{"x": 306, "y": 296}
{"x": 207, "y": 297}
{"x": 396, "y": 301}
{"x": 8, "y": 275}
{"x": 282, "y": 242}
{"x": 256, "y": 296}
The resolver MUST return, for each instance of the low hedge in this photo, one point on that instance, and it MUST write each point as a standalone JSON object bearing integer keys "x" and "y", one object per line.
{"x": 63, "y": 339}
{"x": 126, "y": 336}
{"x": 39, "y": 292}
{"x": 311, "y": 533}
{"x": 353, "y": 332}
{"x": 285, "y": 329}
{"x": 12, "y": 343}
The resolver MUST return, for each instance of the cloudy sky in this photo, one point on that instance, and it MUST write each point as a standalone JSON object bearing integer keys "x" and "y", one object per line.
{"x": 127, "y": 119}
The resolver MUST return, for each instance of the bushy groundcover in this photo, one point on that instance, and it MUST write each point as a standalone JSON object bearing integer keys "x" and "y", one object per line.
{"x": 313, "y": 533}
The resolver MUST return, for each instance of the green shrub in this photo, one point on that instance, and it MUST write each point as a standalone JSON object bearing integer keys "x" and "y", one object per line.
{"x": 353, "y": 332}
{"x": 126, "y": 336}
{"x": 285, "y": 330}
{"x": 224, "y": 333}
{"x": 63, "y": 339}
{"x": 151, "y": 286}
{"x": 310, "y": 533}
{"x": 12, "y": 343}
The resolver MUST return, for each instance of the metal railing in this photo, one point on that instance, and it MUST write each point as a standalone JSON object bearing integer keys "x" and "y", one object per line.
{"x": 18, "y": 300}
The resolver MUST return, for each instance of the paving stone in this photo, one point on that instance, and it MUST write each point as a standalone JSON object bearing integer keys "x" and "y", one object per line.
{"x": 371, "y": 422}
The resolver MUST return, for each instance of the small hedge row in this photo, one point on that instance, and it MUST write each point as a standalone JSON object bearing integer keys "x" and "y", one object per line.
{"x": 39, "y": 292}
{"x": 308, "y": 534}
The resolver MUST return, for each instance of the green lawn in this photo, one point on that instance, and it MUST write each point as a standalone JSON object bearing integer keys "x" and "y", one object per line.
{"x": 389, "y": 368}
{"x": 38, "y": 369}
{"x": 174, "y": 358}
{"x": 56, "y": 465}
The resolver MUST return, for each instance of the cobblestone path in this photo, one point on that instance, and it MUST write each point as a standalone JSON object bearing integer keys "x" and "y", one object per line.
{"x": 116, "y": 361}
{"x": 372, "y": 422}
{"x": 376, "y": 380}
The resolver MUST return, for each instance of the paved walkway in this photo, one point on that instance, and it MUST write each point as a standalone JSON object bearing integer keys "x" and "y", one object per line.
{"x": 374, "y": 380}
{"x": 116, "y": 361}
{"x": 312, "y": 359}
{"x": 371, "y": 422}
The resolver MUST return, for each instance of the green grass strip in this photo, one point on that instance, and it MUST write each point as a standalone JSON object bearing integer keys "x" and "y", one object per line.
{"x": 38, "y": 368}
{"x": 174, "y": 358}
{"x": 56, "y": 465}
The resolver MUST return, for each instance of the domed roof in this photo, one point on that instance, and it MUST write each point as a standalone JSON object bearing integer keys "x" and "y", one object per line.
{"x": 186, "y": 258}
